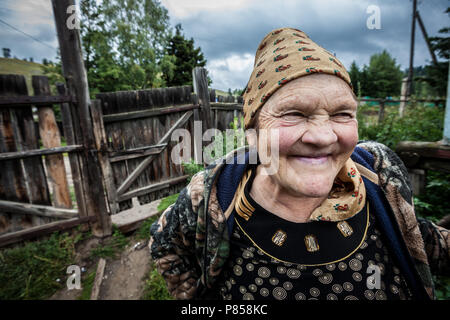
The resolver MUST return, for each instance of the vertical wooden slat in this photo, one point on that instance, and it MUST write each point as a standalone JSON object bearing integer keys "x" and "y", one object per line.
{"x": 200, "y": 81}
{"x": 100, "y": 138}
{"x": 51, "y": 138}
{"x": 75, "y": 164}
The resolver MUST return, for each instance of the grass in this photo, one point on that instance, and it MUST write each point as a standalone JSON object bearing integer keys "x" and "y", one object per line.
{"x": 25, "y": 68}
{"x": 167, "y": 201}
{"x": 32, "y": 270}
{"x": 155, "y": 287}
{"x": 112, "y": 247}
{"x": 87, "y": 284}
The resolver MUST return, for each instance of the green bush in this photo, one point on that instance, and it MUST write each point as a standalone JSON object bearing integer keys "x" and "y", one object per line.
{"x": 433, "y": 204}
{"x": 419, "y": 123}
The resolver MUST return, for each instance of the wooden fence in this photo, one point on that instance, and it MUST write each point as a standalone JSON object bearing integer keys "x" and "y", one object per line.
{"x": 132, "y": 150}
{"x": 133, "y": 132}
{"x": 35, "y": 194}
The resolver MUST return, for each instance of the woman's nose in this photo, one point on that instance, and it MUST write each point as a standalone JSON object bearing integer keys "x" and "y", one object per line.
{"x": 319, "y": 134}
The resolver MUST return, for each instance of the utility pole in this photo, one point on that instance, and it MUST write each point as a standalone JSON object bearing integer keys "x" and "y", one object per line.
{"x": 425, "y": 35}
{"x": 77, "y": 83}
{"x": 446, "y": 137}
{"x": 411, "y": 51}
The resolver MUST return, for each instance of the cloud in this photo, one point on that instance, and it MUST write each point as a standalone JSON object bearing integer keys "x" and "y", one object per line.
{"x": 239, "y": 65}
{"x": 34, "y": 18}
{"x": 186, "y": 9}
{"x": 229, "y": 31}
{"x": 339, "y": 26}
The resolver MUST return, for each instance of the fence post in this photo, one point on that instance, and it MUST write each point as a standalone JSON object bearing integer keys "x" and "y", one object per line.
{"x": 446, "y": 133}
{"x": 381, "y": 111}
{"x": 200, "y": 82}
{"x": 76, "y": 79}
{"x": 403, "y": 97}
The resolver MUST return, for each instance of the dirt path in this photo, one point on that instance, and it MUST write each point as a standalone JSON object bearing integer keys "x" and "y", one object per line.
{"x": 124, "y": 277}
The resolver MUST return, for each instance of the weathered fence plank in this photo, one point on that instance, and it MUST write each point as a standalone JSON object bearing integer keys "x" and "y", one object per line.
{"x": 13, "y": 101}
{"x": 38, "y": 152}
{"x": 38, "y": 231}
{"x": 51, "y": 138}
{"x": 99, "y": 132}
{"x": 200, "y": 81}
{"x": 37, "y": 210}
{"x": 69, "y": 128}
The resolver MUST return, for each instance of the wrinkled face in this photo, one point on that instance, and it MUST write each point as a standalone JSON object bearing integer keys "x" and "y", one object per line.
{"x": 315, "y": 117}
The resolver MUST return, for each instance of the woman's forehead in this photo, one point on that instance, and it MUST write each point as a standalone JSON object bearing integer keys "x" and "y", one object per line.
{"x": 312, "y": 91}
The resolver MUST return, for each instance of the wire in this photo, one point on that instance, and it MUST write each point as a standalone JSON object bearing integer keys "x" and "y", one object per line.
{"x": 28, "y": 35}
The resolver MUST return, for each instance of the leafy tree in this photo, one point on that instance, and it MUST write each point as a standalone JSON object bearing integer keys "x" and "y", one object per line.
{"x": 124, "y": 43}
{"x": 354, "y": 76}
{"x": 384, "y": 76}
{"x": 187, "y": 57}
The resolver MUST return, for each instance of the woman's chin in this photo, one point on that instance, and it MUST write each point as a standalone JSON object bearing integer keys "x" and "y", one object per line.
{"x": 312, "y": 189}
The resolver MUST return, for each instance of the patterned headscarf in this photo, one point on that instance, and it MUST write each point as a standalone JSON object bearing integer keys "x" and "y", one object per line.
{"x": 283, "y": 55}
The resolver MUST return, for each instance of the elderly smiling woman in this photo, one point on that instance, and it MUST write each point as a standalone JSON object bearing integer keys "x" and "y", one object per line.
{"x": 334, "y": 221}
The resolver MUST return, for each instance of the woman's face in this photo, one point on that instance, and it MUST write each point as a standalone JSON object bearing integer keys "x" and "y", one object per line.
{"x": 315, "y": 116}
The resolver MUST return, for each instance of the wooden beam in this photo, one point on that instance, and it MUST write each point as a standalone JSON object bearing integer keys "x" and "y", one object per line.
{"x": 136, "y": 150}
{"x": 130, "y": 220}
{"x": 151, "y": 188}
{"x": 141, "y": 167}
{"x": 424, "y": 149}
{"x": 98, "y": 279}
{"x": 34, "y": 232}
{"x": 146, "y": 113}
{"x": 226, "y": 106}
{"x": 34, "y": 100}
{"x": 135, "y": 153}
{"x": 39, "y": 152}
{"x": 38, "y": 210}
{"x": 75, "y": 74}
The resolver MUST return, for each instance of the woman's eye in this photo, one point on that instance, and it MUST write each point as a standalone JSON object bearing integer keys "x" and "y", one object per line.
{"x": 293, "y": 115}
{"x": 343, "y": 115}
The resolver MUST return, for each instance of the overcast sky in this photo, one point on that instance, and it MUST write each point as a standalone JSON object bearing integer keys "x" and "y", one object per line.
{"x": 228, "y": 31}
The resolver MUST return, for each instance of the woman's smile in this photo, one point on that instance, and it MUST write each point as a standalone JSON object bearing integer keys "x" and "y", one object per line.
{"x": 313, "y": 160}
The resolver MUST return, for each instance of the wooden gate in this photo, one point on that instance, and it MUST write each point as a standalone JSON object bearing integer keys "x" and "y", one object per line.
{"x": 133, "y": 133}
